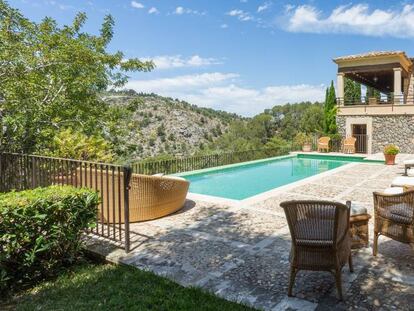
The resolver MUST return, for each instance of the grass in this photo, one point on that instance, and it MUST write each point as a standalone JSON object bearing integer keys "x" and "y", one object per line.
{"x": 111, "y": 287}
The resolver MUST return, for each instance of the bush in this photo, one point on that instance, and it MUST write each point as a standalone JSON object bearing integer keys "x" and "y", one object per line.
{"x": 40, "y": 232}
{"x": 391, "y": 149}
{"x": 72, "y": 144}
{"x": 301, "y": 138}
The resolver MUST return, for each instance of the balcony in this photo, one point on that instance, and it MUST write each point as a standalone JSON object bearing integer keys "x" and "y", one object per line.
{"x": 382, "y": 105}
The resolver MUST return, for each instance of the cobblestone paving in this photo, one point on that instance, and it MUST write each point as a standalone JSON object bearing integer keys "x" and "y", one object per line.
{"x": 241, "y": 252}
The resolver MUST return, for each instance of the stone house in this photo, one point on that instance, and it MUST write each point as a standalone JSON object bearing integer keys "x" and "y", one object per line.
{"x": 384, "y": 116}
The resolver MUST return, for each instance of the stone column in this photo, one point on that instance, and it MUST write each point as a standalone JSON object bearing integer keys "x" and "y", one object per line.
{"x": 397, "y": 86}
{"x": 340, "y": 84}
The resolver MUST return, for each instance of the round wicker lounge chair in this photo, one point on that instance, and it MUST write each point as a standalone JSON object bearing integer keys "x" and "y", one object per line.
{"x": 320, "y": 238}
{"x": 150, "y": 197}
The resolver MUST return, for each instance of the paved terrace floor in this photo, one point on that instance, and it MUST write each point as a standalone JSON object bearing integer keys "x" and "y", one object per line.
{"x": 241, "y": 251}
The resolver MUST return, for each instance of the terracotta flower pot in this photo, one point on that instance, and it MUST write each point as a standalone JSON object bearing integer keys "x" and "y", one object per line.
{"x": 389, "y": 159}
{"x": 307, "y": 147}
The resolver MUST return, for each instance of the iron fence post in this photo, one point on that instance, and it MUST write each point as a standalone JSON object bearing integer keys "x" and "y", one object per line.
{"x": 127, "y": 178}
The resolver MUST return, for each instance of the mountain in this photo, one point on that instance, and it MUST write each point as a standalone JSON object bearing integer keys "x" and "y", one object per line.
{"x": 161, "y": 126}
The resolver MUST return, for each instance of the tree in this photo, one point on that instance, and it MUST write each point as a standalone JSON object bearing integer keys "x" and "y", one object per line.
{"x": 312, "y": 120}
{"x": 352, "y": 91}
{"x": 330, "y": 110}
{"x": 51, "y": 77}
{"x": 371, "y": 92}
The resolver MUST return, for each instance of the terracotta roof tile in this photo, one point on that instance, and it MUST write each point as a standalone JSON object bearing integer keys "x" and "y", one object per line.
{"x": 372, "y": 54}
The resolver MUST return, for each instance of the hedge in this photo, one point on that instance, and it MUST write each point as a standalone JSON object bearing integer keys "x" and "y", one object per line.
{"x": 40, "y": 232}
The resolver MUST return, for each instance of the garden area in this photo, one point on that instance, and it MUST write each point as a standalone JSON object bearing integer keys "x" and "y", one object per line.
{"x": 44, "y": 265}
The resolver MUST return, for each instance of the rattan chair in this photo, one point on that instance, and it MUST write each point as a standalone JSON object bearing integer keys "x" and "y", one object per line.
{"x": 349, "y": 145}
{"x": 150, "y": 197}
{"x": 323, "y": 143}
{"x": 320, "y": 238}
{"x": 394, "y": 217}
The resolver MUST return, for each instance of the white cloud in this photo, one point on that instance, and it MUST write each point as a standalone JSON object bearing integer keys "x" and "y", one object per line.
{"x": 220, "y": 91}
{"x": 60, "y": 6}
{"x": 178, "y": 61}
{"x": 224, "y": 26}
{"x": 137, "y": 5}
{"x": 241, "y": 15}
{"x": 354, "y": 19}
{"x": 180, "y": 84}
{"x": 153, "y": 10}
{"x": 263, "y": 7}
{"x": 179, "y": 10}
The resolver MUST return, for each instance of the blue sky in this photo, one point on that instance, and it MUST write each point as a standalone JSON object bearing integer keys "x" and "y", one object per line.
{"x": 240, "y": 55}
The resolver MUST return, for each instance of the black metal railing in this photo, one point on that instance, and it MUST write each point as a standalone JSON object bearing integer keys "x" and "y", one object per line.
{"x": 382, "y": 99}
{"x": 185, "y": 164}
{"x": 361, "y": 143}
{"x": 22, "y": 172}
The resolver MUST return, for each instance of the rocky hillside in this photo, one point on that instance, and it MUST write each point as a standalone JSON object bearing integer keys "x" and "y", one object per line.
{"x": 159, "y": 125}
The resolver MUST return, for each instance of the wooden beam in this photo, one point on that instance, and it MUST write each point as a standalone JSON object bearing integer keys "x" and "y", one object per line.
{"x": 372, "y": 68}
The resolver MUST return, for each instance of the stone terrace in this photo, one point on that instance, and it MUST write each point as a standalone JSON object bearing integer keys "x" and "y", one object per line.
{"x": 241, "y": 251}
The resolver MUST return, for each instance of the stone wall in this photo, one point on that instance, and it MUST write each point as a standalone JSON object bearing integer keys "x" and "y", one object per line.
{"x": 398, "y": 130}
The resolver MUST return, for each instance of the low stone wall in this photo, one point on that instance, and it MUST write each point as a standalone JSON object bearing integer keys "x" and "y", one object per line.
{"x": 396, "y": 129}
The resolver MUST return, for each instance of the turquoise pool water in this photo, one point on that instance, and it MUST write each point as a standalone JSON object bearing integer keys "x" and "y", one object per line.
{"x": 243, "y": 181}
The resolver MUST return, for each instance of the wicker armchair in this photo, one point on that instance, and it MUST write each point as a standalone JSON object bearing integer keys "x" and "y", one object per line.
{"x": 349, "y": 145}
{"x": 323, "y": 143}
{"x": 320, "y": 238}
{"x": 394, "y": 217}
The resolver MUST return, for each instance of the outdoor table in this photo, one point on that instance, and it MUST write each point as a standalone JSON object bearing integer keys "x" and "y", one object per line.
{"x": 359, "y": 225}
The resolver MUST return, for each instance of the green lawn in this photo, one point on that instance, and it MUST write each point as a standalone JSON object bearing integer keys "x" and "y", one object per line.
{"x": 111, "y": 287}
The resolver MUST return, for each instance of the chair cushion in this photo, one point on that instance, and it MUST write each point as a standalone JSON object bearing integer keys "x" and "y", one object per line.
{"x": 358, "y": 209}
{"x": 402, "y": 181}
{"x": 400, "y": 213}
{"x": 408, "y": 162}
{"x": 158, "y": 175}
{"x": 314, "y": 232}
{"x": 393, "y": 190}
{"x": 410, "y": 172}
{"x": 174, "y": 177}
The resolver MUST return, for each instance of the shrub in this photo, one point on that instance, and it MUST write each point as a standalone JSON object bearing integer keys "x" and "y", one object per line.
{"x": 40, "y": 232}
{"x": 301, "y": 138}
{"x": 72, "y": 144}
{"x": 391, "y": 149}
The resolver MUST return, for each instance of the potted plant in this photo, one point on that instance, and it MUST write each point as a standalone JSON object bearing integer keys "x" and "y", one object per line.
{"x": 390, "y": 151}
{"x": 303, "y": 140}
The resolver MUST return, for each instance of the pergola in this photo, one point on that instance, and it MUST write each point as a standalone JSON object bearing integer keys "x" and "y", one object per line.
{"x": 387, "y": 72}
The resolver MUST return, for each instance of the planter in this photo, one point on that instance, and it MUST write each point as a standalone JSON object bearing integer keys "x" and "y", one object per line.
{"x": 389, "y": 159}
{"x": 307, "y": 147}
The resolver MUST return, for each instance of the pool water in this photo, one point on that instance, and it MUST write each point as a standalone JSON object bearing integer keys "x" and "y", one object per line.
{"x": 243, "y": 181}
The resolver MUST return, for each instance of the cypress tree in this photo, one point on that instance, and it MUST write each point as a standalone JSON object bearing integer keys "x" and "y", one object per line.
{"x": 330, "y": 110}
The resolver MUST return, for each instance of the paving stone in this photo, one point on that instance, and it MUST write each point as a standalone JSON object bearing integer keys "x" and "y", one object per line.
{"x": 325, "y": 191}
{"x": 191, "y": 213}
{"x": 244, "y": 225}
{"x": 262, "y": 277}
{"x": 273, "y": 204}
{"x": 187, "y": 258}
{"x": 372, "y": 291}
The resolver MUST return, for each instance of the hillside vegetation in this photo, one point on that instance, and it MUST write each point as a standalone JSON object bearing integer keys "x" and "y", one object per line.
{"x": 159, "y": 126}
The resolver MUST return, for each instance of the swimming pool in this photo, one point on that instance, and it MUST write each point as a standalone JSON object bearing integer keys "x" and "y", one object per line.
{"x": 244, "y": 180}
